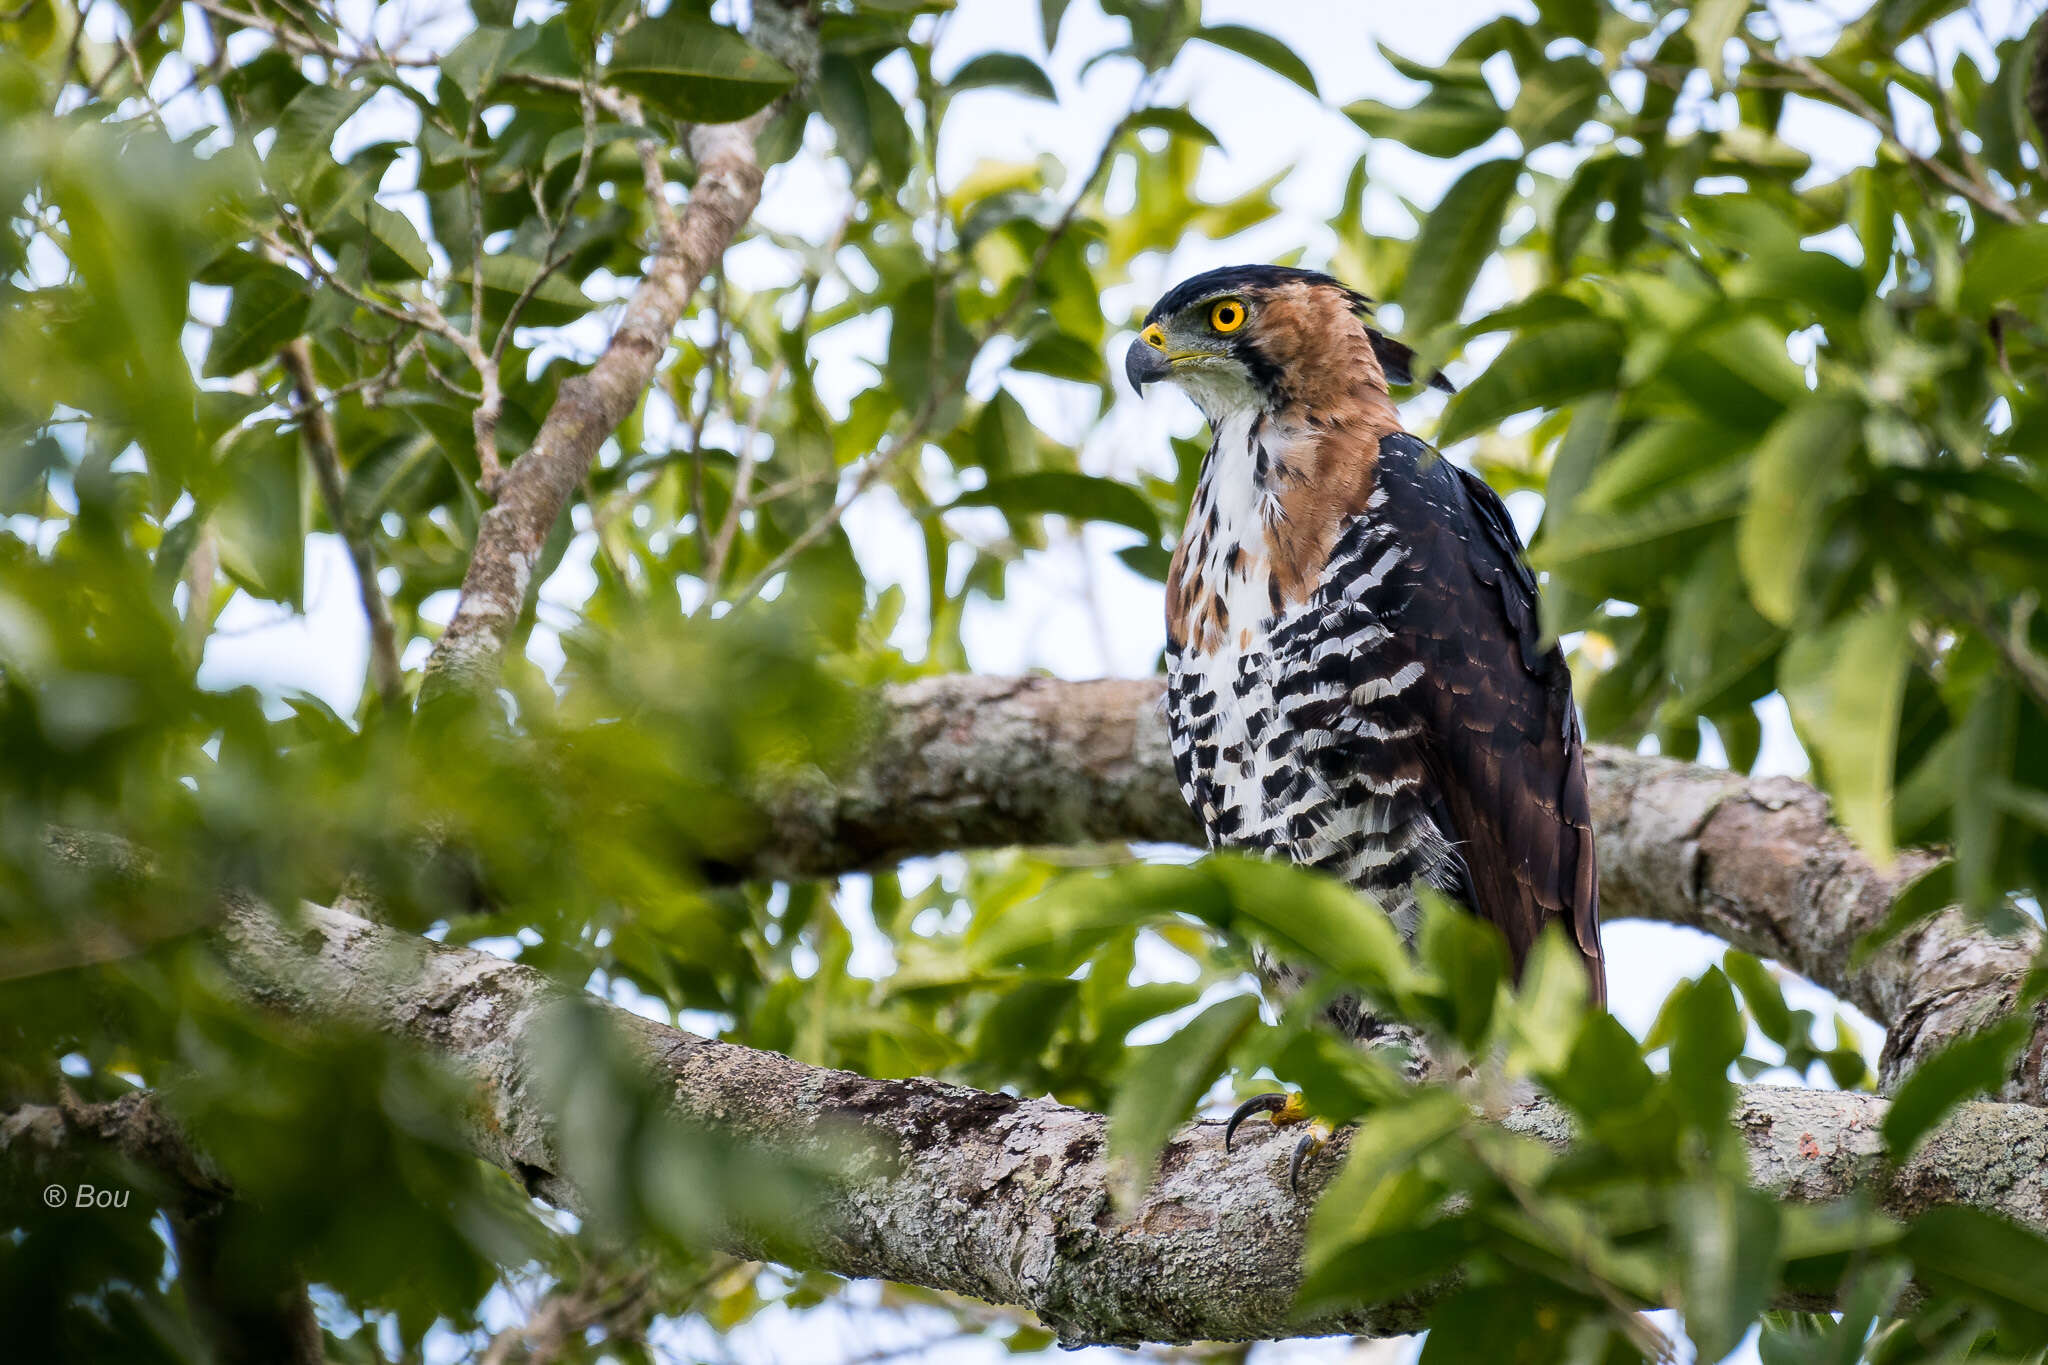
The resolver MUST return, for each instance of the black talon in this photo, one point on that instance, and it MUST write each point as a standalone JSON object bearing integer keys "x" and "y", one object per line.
{"x": 1257, "y": 1104}
{"x": 1303, "y": 1150}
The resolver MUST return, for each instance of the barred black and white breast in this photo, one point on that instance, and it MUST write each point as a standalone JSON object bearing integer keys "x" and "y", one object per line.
{"x": 1357, "y": 678}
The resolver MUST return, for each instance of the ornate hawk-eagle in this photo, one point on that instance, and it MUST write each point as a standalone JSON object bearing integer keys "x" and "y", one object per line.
{"x": 1357, "y": 676}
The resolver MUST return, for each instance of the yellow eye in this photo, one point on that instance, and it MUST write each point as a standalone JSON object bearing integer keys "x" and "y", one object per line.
{"x": 1227, "y": 315}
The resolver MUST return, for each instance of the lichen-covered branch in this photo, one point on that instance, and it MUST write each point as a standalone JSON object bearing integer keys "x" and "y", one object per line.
{"x": 1008, "y": 1199}
{"x": 589, "y": 407}
{"x": 969, "y": 762}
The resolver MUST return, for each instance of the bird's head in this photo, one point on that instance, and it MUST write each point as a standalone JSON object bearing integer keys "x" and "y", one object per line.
{"x": 1266, "y": 337}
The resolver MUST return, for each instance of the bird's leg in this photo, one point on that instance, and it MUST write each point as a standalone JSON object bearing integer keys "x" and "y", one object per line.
{"x": 1285, "y": 1110}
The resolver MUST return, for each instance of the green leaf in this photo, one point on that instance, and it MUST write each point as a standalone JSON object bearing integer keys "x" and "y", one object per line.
{"x": 1263, "y": 48}
{"x": 1605, "y": 1072}
{"x": 376, "y": 482}
{"x": 1554, "y": 100}
{"x": 1711, "y": 24}
{"x": 1178, "y": 122}
{"x": 588, "y": 20}
{"x": 843, "y": 101}
{"x": 305, "y": 134}
{"x": 1761, "y": 993}
{"x": 1844, "y": 685}
{"x": 1956, "y": 1247}
{"x": 267, "y": 309}
{"x": 1578, "y": 19}
{"x": 1470, "y": 958}
{"x": 1901, "y": 19}
{"x": 1728, "y": 1246}
{"x": 1462, "y": 231}
{"x": 475, "y": 63}
{"x": 2010, "y": 264}
{"x": 1973, "y": 1065}
{"x": 1313, "y": 918}
{"x": 1372, "y": 1196}
{"x": 1795, "y": 478}
{"x": 1161, "y": 1085}
{"x": 693, "y": 69}
{"x": 1062, "y": 927}
{"x": 1013, "y": 70}
{"x": 922, "y": 357}
{"x": 1659, "y": 457}
{"x": 1050, "y": 12}
{"x": 567, "y": 145}
{"x": 508, "y": 274}
{"x": 1538, "y": 369}
{"x": 260, "y": 522}
{"x": 1706, "y": 1035}
{"x": 1449, "y": 121}
{"x": 1548, "y": 1009}
{"x": 1339, "y": 1079}
{"x": 396, "y": 249}
{"x": 1928, "y": 893}
{"x": 1081, "y": 497}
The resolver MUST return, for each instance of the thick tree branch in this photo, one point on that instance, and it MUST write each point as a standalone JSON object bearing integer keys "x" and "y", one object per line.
{"x": 972, "y": 762}
{"x": 1007, "y": 1199}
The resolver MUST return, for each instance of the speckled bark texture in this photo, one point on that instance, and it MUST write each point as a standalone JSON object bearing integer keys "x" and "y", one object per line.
{"x": 1008, "y": 1199}
{"x": 976, "y": 762}
{"x": 972, "y": 762}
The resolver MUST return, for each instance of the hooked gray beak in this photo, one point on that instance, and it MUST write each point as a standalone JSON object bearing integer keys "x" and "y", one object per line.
{"x": 1145, "y": 364}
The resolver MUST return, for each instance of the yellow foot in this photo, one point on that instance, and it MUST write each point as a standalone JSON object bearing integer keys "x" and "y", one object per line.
{"x": 1285, "y": 1110}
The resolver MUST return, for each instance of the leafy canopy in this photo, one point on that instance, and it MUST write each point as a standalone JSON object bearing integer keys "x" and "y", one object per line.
{"x": 1786, "y": 418}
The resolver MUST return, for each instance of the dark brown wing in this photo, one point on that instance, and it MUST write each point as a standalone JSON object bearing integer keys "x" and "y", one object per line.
{"x": 1503, "y": 745}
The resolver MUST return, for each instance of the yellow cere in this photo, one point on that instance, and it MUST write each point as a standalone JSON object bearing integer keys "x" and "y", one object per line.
{"x": 1153, "y": 337}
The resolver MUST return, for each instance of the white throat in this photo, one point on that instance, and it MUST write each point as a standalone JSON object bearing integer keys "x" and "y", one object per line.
{"x": 1222, "y": 391}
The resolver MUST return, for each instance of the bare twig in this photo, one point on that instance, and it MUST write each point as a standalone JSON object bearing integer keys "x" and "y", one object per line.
{"x": 743, "y": 475}
{"x": 617, "y": 1304}
{"x": 322, "y": 454}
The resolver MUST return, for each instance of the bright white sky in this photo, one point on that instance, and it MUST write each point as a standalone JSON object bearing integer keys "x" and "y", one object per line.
{"x": 1074, "y": 610}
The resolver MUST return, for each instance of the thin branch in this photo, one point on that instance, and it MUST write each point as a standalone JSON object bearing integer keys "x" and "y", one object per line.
{"x": 549, "y": 261}
{"x": 1946, "y": 119}
{"x": 589, "y": 407}
{"x": 743, "y": 476}
{"x": 322, "y": 453}
{"x": 1978, "y": 193}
